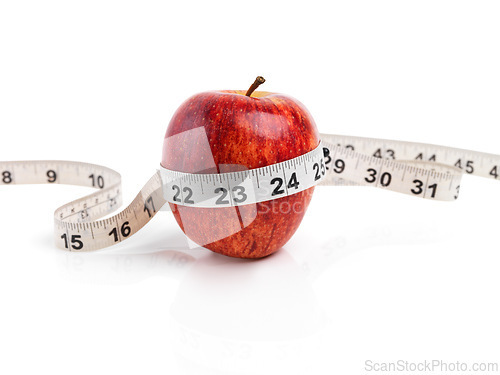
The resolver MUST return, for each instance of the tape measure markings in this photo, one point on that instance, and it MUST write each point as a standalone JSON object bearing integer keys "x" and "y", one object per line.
{"x": 74, "y": 222}
{"x": 246, "y": 187}
{"x": 422, "y": 170}
{"x": 401, "y": 176}
{"x": 472, "y": 162}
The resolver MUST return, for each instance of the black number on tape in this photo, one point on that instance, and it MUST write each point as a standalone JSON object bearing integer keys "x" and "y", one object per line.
{"x": 240, "y": 190}
{"x": 6, "y": 177}
{"x": 317, "y": 168}
{"x": 418, "y": 189}
{"x": 494, "y": 172}
{"x": 421, "y": 157}
{"x": 328, "y": 158}
{"x": 339, "y": 166}
{"x": 76, "y": 244}
{"x": 389, "y": 154}
{"x": 97, "y": 181}
{"x": 434, "y": 188}
{"x": 189, "y": 192}
{"x": 458, "y": 191}
{"x": 293, "y": 183}
{"x": 177, "y": 193}
{"x": 149, "y": 206}
{"x": 373, "y": 174}
{"x": 52, "y": 175}
{"x": 221, "y": 199}
{"x": 468, "y": 166}
{"x": 125, "y": 231}
{"x": 385, "y": 178}
{"x": 278, "y": 190}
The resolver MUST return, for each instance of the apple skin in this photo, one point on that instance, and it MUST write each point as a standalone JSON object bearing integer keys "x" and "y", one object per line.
{"x": 243, "y": 133}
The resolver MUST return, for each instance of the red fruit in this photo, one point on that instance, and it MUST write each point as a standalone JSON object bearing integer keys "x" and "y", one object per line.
{"x": 226, "y": 131}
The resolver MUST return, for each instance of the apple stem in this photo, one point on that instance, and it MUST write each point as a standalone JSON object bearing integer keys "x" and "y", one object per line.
{"x": 258, "y": 81}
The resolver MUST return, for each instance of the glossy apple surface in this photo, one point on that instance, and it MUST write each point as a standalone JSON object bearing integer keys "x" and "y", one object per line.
{"x": 225, "y": 131}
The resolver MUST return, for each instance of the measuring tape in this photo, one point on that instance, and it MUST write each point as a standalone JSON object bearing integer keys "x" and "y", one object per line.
{"x": 421, "y": 170}
{"x": 245, "y": 187}
{"x": 76, "y": 227}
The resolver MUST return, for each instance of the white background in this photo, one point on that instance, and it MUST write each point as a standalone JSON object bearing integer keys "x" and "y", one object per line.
{"x": 370, "y": 275}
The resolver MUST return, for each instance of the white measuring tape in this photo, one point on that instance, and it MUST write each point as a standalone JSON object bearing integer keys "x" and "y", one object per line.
{"x": 245, "y": 187}
{"x": 76, "y": 225}
{"x": 420, "y": 170}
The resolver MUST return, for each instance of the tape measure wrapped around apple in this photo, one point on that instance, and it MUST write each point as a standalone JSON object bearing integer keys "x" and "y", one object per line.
{"x": 240, "y": 131}
{"x": 238, "y": 172}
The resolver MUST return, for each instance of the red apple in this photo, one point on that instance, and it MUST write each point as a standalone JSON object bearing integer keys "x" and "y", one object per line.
{"x": 228, "y": 130}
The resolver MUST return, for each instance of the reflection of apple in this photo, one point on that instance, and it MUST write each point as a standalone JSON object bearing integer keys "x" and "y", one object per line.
{"x": 249, "y": 130}
{"x": 234, "y": 317}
